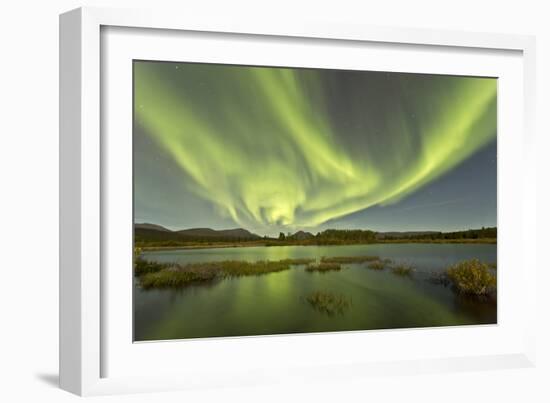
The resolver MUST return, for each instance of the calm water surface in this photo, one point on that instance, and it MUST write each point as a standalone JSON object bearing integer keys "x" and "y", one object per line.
{"x": 275, "y": 303}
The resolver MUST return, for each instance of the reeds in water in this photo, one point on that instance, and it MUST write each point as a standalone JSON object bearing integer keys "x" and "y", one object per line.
{"x": 402, "y": 269}
{"x": 348, "y": 259}
{"x": 323, "y": 267}
{"x": 328, "y": 303}
{"x": 472, "y": 277}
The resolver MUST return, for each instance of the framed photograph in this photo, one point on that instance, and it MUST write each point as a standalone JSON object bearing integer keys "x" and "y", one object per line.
{"x": 246, "y": 201}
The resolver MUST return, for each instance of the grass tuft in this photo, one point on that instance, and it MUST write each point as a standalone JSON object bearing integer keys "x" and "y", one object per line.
{"x": 175, "y": 278}
{"x": 174, "y": 275}
{"x": 377, "y": 265}
{"x": 348, "y": 259}
{"x": 323, "y": 267}
{"x": 402, "y": 269}
{"x": 472, "y": 277}
{"x": 328, "y": 303}
{"x": 236, "y": 268}
{"x": 297, "y": 261}
{"x": 142, "y": 266}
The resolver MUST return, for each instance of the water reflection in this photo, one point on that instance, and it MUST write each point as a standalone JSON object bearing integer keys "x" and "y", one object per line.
{"x": 277, "y": 303}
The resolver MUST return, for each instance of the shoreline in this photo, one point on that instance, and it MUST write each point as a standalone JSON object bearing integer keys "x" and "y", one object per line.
{"x": 270, "y": 245}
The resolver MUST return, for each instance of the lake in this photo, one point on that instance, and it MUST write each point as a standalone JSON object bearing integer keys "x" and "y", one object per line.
{"x": 276, "y": 303}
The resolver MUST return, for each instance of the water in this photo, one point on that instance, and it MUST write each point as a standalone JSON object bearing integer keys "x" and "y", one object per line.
{"x": 276, "y": 303}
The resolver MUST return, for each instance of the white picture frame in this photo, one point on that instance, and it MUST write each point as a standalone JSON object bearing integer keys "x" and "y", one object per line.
{"x": 85, "y": 308}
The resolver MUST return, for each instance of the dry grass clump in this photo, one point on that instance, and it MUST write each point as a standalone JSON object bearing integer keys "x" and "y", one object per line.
{"x": 323, "y": 267}
{"x": 328, "y": 303}
{"x": 348, "y": 259}
{"x": 402, "y": 269}
{"x": 142, "y": 266}
{"x": 472, "y": 277}
{"x": 236, "y": 268}
{"x": 175, "y": 278}
{"x": 377, "y": 265}
{"x": 166, "y": 275}
{"x": 297, "y": 261}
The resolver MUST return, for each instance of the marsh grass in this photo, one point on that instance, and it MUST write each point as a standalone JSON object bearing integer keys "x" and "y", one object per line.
{"x": 402, "y": 269}
{"x": 173, "y": 278}
{"x": 323, "y": 267}
{"x": 174, "y": 275}
{"x": 328, "y": 303}
{"x": 472, "y": 277}
{"x": 297, "y": 261}
{"x": 236, "y": 268}
{"x": 377, "y": 265}
{"x": 142, "y": 266}
{"x": 349, "y": 259}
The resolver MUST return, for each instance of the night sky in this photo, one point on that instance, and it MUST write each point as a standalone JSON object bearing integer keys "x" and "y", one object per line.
{"x": 281, "y": 149}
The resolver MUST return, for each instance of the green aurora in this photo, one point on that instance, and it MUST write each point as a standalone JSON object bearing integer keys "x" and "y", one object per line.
{"x": 295, "y": 148}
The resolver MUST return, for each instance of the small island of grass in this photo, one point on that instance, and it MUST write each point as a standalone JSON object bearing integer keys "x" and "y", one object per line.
{"x": 163, "y": 275}
{"x": 473, "y": 277}
{"x": 328, "y": 303}
{"x": 297, "y": 261}
{"x": 377, "y": 265}
{"x": 349, "y": 259}
{"x": 402, "y": 269}
{"x": 323, "y": 267}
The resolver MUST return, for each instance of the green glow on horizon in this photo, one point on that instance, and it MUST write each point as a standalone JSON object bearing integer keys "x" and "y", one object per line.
{"x": 259, "y": 143}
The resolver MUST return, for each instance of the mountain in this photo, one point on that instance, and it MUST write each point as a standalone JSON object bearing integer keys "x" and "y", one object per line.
{"x": 150, "y": 226}
{"x": 146, "y": 233}
{"x": 239, "y": 233}
{"x": 155, "y": 233}
{"x": 301, "y": 236}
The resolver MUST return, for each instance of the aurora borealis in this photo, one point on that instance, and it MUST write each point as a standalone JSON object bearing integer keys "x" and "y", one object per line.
{"x": 271, "y": 149}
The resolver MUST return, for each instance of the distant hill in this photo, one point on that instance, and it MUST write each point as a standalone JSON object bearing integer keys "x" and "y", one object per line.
{"x": 153, "y": 234}
{"x": 225, "y": 233}
{"x": 150, "y": 226}
{"x": 301, "y": 236}
{"x": 156, "y": 233}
